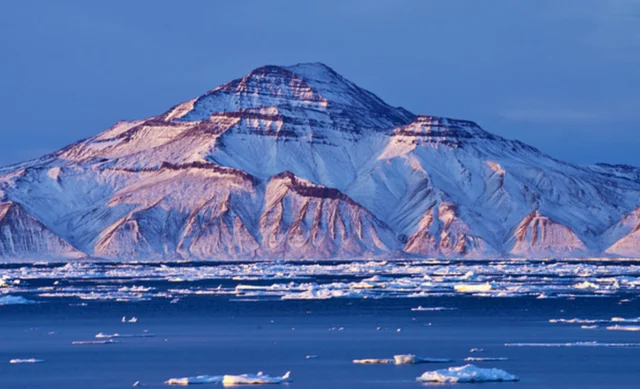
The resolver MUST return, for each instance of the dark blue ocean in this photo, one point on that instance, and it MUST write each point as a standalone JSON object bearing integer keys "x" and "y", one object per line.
{"x": 217, "y": 335}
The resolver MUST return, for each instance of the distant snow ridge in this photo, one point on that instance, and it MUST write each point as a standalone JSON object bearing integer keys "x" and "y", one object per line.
{"x": 297, "y": 162}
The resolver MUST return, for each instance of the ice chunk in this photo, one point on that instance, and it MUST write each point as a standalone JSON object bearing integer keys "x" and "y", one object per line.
{"x": 117, "y": 335}
{"x": 255, "y": 379}
{"x": 618, "y": 327}
{"x": 11, "y": 300}
{"x": 410, "y": 359}
{"x": 585, "y": 285}
{"x": 108, "y": 341}
{"x": 485, "y": 359}
{"x": 472, "y": 288}
{"x": 319, "y": 294}
{"x": 132, "y": 320}
{"x": 428, "y": 309}
{"x": 467, "y": 373}
{"x": 623, "y": 320}
{"x": 577, "y": 321}
{"x": 373, "y": 361}
{"x": 201, "y": 379}
{"x": 28, "y": 360}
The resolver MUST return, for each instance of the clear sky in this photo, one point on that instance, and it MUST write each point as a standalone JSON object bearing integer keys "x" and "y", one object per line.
{"x": 561, "y": 75}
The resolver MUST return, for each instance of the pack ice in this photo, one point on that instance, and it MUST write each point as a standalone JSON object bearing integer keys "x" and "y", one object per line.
{"x": 467, "y": 374}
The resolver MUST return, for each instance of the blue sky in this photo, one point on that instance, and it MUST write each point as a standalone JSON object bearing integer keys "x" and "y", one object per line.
{"x": 561, "y": 75}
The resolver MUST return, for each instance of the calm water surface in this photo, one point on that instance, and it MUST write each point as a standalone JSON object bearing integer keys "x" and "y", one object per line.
{"x": 213, "y": 335}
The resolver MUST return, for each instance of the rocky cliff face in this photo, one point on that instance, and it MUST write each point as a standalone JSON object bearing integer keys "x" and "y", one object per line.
{"x": 298, "y": 162}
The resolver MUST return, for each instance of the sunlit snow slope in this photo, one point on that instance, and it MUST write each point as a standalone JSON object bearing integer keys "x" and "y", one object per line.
{"x": 298, "y": 162}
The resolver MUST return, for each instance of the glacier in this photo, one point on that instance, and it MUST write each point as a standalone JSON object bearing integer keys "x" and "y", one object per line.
{"x": 297, "y": 162}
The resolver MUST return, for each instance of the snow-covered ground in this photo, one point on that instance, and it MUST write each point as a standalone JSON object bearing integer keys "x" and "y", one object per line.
{"x": 298, "y": 162}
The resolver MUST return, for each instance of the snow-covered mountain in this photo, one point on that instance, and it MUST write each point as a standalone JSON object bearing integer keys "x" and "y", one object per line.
{"x": 298, "y": 162}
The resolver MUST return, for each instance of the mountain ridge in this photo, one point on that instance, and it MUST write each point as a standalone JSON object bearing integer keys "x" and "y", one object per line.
{"x": 297, "y": 162}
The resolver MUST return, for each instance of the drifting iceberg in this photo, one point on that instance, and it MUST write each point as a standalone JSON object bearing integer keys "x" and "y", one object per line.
{"x": 81, "y": 342}
{"x": 400, "y": 359}
{"x": 472, "y": 288}
{"x": 430, "y": 309}
{"x": 255, "y": 379}
{"x": 373, "y": 361}
{"x": 410, "y": 359}
{"x": 485, "y": 359}
{"x": 28, "y": 360}
{"x": 618, "y": 327}
{"x": 623, "y": 320}
{"x": 467, "y": 373}
{"x": 201, "y": 379}
{"x": 116, "y": 335}
{"x": 243, "y": 379}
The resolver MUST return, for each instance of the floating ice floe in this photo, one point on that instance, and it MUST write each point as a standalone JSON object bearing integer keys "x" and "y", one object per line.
{"x": 585, "y": 285}
{"x": 623, "y": 328}
{"x": 472, "y": 288}
{"x": 243, "y": 379}
{"x": 598, "y": 321}
{"x": 401, "y": 359}
{"x": 373, "y": 361}
{"x": 132, "y": 320}
{"x": 486, "y": 359}
{"x": 319, "y": 294}
{"x": 575, "y": 344}
{"x": 311, "y": 357}
{"x": 373, "y": 279}
{"x": 420, "y": 308}
{"x": 107, "y": 341}
{"x": 255, "y": 379}
{"x": 467, "y": 373}
{"x": 100, "y": 335}
{"x": 12, "y": 300}
{"x": 201, "y": 379}
{"x": 577, "y": 321}
{"x": 27, "y": 360}
{"x": 410, "y": 359}
{"x": 623, "y": 320}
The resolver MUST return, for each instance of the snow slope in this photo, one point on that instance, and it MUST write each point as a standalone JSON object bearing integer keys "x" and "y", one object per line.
{"x": 298, "y": 162}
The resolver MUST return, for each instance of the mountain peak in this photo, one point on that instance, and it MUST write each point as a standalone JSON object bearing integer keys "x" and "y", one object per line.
{"x": 306, "y": 86}
{"x": 303, "y": 70}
